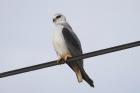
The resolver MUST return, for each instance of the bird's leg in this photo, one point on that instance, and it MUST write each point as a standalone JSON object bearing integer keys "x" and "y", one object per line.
{"x": 67, "y": 56}
{"x": 60, "y": 60}
{"x": 64, "y": 59}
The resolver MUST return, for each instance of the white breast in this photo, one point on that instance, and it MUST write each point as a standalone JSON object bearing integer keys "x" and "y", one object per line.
{"x": 59, "y": 43}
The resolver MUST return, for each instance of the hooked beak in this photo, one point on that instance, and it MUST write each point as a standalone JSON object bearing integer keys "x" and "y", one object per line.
{"x": 54, "y": 19}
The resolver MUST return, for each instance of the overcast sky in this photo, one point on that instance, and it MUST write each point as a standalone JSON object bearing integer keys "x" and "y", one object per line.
{"x": 26, "y": 31}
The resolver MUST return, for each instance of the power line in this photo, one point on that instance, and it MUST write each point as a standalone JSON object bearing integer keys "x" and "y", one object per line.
{"x": 83, "y": 56}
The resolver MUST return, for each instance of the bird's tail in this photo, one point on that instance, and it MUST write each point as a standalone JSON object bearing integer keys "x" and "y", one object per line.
{"x": 78, "y": 73}
{"x": 87, "y": 78}
{"x": 81, "y": 74}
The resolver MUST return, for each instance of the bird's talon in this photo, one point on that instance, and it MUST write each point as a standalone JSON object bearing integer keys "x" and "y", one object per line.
{"x": 60, "y": 61}
{"x": 66, "y": 57}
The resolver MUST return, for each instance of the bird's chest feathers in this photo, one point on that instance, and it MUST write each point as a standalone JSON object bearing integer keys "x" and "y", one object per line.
{"x": 59, "y": 42}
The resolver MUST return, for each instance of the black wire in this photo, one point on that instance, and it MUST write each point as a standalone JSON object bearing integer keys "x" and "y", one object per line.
{"x": 83, "y": 56}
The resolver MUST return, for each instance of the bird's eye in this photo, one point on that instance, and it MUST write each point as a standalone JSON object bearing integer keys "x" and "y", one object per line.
{"x": 58, "y": 16}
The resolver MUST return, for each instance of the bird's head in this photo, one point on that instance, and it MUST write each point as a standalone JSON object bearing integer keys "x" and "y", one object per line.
{"x": 59, "y": 19}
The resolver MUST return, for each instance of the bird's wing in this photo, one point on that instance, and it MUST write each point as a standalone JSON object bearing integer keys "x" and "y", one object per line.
{"x": 72, "y": 42}
{"x": 74, "y": 46}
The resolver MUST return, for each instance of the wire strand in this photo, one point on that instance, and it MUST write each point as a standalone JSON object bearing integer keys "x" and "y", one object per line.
{"x": 83, "y": 56}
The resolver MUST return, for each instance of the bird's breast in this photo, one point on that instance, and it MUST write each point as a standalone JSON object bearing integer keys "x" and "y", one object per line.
{"x": 59, "y": 43}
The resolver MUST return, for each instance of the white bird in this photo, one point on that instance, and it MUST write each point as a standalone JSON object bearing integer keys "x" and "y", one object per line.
{"x": 66, "y": 45}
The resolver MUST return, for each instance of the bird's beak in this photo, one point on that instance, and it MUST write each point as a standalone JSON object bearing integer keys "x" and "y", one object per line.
{"x": 54, "y": 19}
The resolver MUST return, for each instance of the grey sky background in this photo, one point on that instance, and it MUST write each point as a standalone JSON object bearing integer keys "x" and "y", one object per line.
{"x": 26, "y": 31}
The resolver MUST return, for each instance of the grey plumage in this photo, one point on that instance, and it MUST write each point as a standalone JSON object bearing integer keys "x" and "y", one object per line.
{"x": 74, "y": 46}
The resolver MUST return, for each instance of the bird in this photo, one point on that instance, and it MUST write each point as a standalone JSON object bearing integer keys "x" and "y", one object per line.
{"x": 67, "y": 44}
